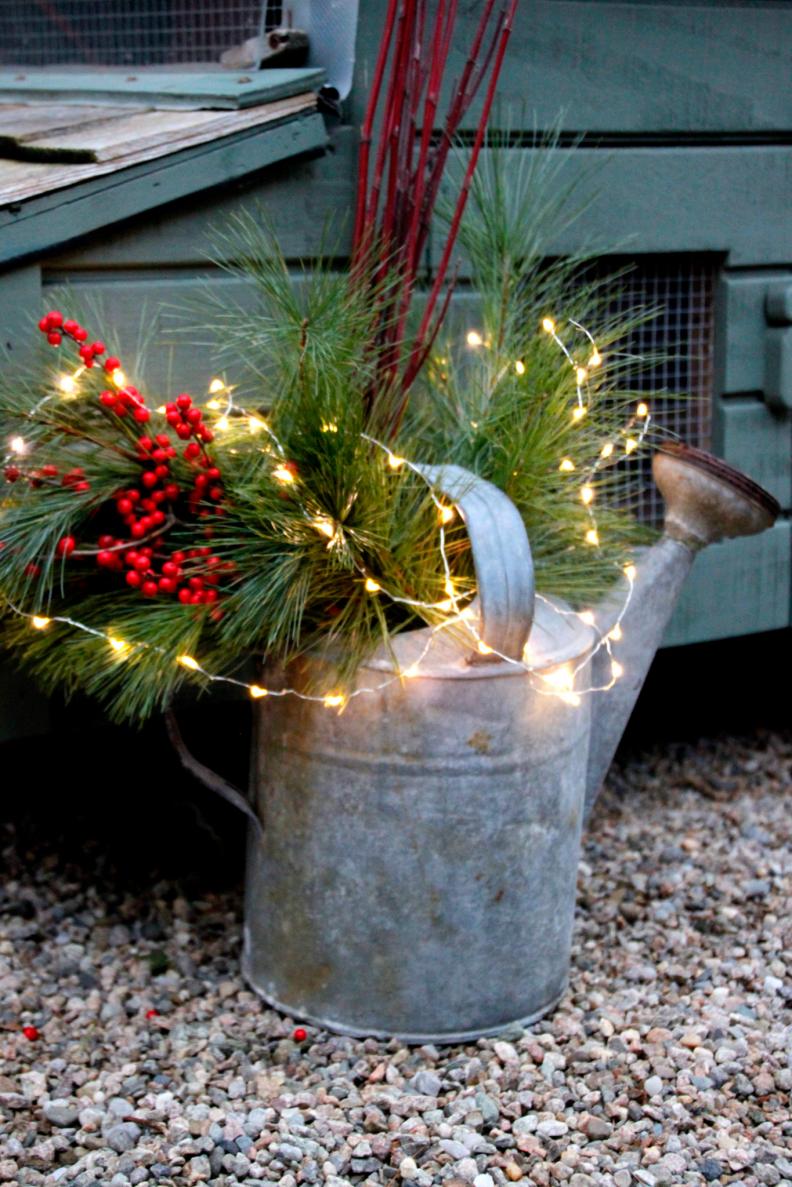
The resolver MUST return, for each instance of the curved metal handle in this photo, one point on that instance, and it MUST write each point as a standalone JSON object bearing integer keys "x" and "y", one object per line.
{"x": 501, "y": 556}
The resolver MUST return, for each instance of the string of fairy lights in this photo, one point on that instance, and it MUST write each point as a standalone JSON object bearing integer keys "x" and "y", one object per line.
{"x": 559, "y": 680}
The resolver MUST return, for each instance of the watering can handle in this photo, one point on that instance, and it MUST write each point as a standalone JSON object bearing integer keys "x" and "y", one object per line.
{"x": 501, "y": 556}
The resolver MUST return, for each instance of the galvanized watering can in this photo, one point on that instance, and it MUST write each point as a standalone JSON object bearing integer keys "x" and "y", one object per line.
{"x": 415, "y": 873}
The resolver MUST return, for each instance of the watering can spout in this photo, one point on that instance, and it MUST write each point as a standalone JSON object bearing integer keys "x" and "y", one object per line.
{"x": 706, "y": 500}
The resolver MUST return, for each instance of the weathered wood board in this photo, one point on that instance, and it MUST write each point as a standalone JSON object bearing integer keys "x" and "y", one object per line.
{"x": 738, "y": 587}
{"x": 121, "y": 141}
{"x": 653, "y": 68}
{"x": 37, "y": 225}
{"x": 191, "y": 87}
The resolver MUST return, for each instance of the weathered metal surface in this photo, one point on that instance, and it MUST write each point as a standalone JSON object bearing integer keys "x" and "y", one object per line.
{"x": 706, "y": 501}
{"x": 416, "y": 874}
{"x": 417, "y": 870}
{"x": 501, "y": 555}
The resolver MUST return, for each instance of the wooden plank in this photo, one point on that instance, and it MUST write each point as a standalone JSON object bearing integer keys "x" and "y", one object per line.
{"x": 730, "y": 201}
{"x": 20, "y": 180}
{"x": 20, "y": 305}
{"x": 41, "y": 224}
{"x": 300, "y": 199}
{"x": 640, "y": 201}
{"x": 647, "y": 67}
{"x": 738, "y": 587}
{"x": 758, "y": 440}
{"x": 156, "y": 309}
{"x": 131, "y": 136}
{"x": 159, "y": 88}
{"x": 22, "y": 121}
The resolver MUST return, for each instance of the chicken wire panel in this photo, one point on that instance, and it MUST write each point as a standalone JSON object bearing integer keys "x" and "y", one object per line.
{"x": 678, "y": 387}
{"x": 120, "y": 33}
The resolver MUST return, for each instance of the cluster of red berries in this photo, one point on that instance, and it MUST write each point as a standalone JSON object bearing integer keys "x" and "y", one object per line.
{"x": 128, "y": 399}
{"x": 191, "y": 575}
{"x": 55, "y": 326}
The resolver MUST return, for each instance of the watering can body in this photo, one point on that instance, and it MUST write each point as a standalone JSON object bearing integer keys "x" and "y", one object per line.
{"x": 415, "y": 875}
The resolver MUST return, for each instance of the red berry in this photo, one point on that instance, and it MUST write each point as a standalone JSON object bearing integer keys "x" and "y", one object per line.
{"x": 169, "y": 569}
{"x": 124, "y": 506}
{"x": 216, "y": 493}
{"x": 54, "y": 338}
{"x": 12, "y": 473}
{"x": 109, "y": 399}
{"x": 178, "y": 558}
{"x": 98, "y": 347}
{"x": 171, "y": 491}
{"x": 70, "y": 325}
{"x": 161, "y": 471}
{"x": 43, "y": 324}
{"x": 162, "y": 439}
{"x": 141, "y": 563}
{"x": 184, "y": 596}
{"x": 159, "y": 455}
{"x": 141, "y": 415}
{"x": 49, "y": 471}
{"x": 150, "y": 589}
{"x": 55, "y": 319}
{"x": 213, "y": 473}
{"x": 152, "y": 1013}
{"x": 146, "y": 444}
{"x": 138, "y": 530}
{"x": 173, "y": 419}
{"x": 105, "y": 558}
{"x": 133, "y": 578}
{"x": 106, "y": 541}
{"x": 31, "y": 1033}
{"x": 210, "y": 595}
{"x": 184, "y": 431}
{"x": 166, "y": 585}
{"x": 66, "y": 546}
{"x": 206, "y": 434}
{"x": 300, "y": 1034}
{"x": 149, "y": 479}
{"x": 183, "y": 401}
{"x": 80, "y": 334}
{"x": 157, "y": 518}
{"x": 194, "y": 416}
{"x": 111, "y": 363}
{"x": 82, "y": 486}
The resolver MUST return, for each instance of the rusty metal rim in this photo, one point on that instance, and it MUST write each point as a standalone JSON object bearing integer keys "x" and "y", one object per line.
{"x": 460, "y": 1036}
{"x": 699, "y": 459}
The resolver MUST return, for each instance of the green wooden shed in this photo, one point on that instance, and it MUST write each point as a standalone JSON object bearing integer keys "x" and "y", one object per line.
{"x": 678, "y": 119}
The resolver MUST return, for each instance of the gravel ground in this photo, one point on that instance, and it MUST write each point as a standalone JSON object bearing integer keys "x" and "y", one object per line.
{"x": 668, "y": 1061}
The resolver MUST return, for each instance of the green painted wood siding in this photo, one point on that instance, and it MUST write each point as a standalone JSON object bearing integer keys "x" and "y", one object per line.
{"x": 688, "y": 111}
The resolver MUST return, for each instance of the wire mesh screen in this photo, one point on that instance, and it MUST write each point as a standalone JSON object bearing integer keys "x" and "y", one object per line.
{"x": 682, "y": 288}
{"x": 120, "y": 33}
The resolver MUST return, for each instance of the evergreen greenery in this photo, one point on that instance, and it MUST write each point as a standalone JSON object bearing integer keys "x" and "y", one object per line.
{"x": 294, "y": 555}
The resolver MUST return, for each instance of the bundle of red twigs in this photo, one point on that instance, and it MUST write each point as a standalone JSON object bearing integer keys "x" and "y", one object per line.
{"x": 400, "y": 173}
